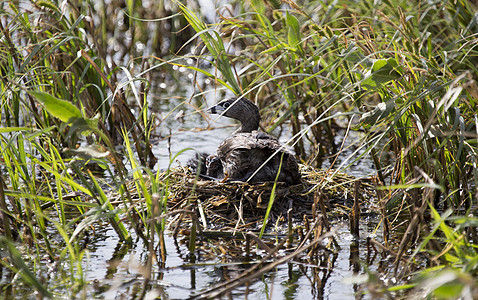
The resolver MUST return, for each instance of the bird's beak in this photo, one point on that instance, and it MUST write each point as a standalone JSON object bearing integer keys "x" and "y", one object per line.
{"x": 216, "y": 109}
{"x": 212, "y": 109}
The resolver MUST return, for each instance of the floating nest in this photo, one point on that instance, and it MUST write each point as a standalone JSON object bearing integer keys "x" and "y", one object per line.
{"x": 243, "y": 205}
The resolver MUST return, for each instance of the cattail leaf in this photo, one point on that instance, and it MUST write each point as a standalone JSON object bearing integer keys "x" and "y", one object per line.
{"x": 276, "y": 48}
{"x": 214, "y": 43}
{"x": 293, "y": 33}
{"x": 61, "y": 109}
{"x": 90, "y": 151}
{"x": 381, "y": 111}
{"x": 382, "y": 71}
{"x": 22, "y": 268}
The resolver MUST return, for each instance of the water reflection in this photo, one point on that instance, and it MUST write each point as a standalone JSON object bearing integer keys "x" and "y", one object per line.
{"x": 118, "y": 269}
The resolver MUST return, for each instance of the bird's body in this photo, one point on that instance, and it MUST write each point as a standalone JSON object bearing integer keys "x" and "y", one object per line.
{"x": 214, "y": 168}
{"x": 251, "y": 155}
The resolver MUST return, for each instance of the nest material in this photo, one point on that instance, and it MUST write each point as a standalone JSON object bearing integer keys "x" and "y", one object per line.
{"x": 234, "y": 203}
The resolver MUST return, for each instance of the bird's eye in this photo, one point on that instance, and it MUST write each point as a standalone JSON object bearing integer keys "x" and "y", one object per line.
{"x": 226, "y": 105}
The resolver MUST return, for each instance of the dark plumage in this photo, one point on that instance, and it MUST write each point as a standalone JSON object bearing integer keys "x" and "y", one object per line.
{"x": 198, "y": 162}
{"x": 214, "y": 167}
{"x": 251, "y": 155}
{"x": 207, "y": 166}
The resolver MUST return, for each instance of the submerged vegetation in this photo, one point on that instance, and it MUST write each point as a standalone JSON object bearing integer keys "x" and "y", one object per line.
{"x": 78, "y": 130}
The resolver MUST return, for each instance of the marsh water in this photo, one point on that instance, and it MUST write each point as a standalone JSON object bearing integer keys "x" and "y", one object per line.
{"x": 116, "y": 275}
{"x": 117, "y": 270}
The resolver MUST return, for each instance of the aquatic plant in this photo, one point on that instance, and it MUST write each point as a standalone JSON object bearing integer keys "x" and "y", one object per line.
{"x": 406, "y": 78}
{"x": 63, "y": 112}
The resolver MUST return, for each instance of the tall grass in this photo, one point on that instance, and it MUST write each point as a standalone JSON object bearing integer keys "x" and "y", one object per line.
{"x": 64, "y": 111}
{"x": 402, "y": 73}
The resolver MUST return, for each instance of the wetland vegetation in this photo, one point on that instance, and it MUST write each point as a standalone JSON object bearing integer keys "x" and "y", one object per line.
{"x": 378, "y": 99}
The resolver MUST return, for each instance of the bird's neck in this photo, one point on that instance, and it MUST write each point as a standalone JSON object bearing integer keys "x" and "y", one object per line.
{"x": 249, "y": 125}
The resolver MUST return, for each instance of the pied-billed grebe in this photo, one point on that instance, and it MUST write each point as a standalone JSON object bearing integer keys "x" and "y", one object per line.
{"x": 214, "y": 167}
{"x": 251, "y": 155}
{"x": 208, "y": 166}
